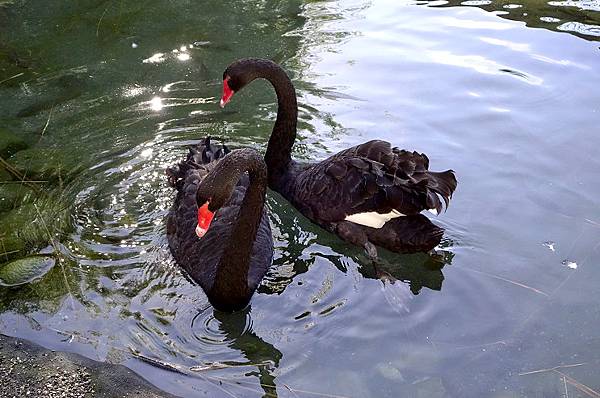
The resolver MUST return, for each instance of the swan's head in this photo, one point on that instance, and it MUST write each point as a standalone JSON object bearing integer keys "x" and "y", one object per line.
{"x": 212, "y": 194}
{"x": 235, "y": 77}
{"x": 240, "y": 73}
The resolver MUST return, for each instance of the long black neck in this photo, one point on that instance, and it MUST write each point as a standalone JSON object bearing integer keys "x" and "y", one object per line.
{"x": 230, "y": 288}
{"x": 279, "y": 150}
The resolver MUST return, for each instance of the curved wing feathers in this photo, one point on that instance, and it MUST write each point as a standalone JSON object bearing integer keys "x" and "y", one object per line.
{"x": 372, "y": 177}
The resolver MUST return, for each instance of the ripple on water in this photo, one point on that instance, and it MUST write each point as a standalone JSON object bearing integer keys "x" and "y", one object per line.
{"x": 511, "y": 109}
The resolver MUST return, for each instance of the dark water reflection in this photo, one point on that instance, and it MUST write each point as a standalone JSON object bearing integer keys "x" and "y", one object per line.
{"x": 105, "y": 95}
{"x": 577, "y": 17}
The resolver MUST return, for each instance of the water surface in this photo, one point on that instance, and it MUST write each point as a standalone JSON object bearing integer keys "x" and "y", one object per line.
{"x": 106, "y": 94}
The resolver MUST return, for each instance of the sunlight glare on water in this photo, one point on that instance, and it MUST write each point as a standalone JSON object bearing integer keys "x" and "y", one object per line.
{"x": 102, "y": 98}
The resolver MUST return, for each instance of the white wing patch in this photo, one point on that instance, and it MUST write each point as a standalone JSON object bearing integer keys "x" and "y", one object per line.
{"x": 372, "y": 218}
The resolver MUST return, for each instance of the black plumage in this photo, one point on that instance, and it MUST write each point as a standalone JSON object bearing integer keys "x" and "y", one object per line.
{"x": 231, "y": 259}
{"x": 370, "y": 177}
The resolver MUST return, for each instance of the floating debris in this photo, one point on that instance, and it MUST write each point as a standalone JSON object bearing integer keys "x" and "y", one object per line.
{"x": 569, "y": 263}
{"x": 134, "y": 45}
{"x": 550, "y": 245}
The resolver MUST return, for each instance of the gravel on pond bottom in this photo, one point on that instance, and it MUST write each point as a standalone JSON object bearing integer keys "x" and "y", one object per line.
{"x": 28, "y": 370}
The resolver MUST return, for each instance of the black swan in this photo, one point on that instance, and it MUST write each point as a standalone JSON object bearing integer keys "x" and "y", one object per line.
{"x": 359, "y": 193}
{"x": 227, "y": 255}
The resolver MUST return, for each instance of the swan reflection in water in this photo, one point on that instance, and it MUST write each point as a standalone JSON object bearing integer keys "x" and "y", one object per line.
{"x": 295, "y": 236}
{"x": 235, "y": 330}
{"x": 299, "y": 242}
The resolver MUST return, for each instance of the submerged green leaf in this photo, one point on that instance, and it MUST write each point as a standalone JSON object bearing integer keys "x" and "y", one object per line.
{"x": 25, "y": 270}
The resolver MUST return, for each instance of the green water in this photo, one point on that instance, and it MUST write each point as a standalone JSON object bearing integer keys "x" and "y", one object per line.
{"x": 98, "y": 97}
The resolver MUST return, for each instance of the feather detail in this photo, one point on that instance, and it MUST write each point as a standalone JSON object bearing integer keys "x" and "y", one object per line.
{"x": 202, "y": 258}
{"x": 372, "y": 218}
{"x": 370, "y": 178}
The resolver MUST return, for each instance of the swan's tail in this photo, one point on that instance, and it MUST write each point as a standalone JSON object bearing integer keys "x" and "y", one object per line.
{"x": 200, "y": 154}
{"x": 440, "y": 185}
{"x": 414, "y": 166}
{"x": 401, "y": 177}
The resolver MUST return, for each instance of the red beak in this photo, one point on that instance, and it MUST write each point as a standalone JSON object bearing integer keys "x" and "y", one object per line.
{"x": 227, "y": 93}
{"x": 205, "y": 217}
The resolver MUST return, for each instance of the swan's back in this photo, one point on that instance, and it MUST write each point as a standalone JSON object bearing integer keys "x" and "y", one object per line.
{"x": 371, "y": 177}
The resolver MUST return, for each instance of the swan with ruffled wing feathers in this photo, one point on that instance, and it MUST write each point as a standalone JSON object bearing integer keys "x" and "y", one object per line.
{"x": 370, "y": 194}
{"x": 218, "y": 229}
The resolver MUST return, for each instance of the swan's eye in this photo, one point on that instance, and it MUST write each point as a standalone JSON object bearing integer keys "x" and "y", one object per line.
{"x": 205, "y": 217}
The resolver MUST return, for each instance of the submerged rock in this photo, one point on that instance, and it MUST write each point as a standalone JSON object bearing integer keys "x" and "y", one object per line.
{"x": 69, "y": 87}
{"x": 13, "y": 68}
{"x": 11, "y": 243}
{"x": 5, "y": 175}
{"x": 10, "y": 143}
{"x": 47, "y": 163}
{"x": 11, "y": 246}
{"x": 12, "y": 195}
{"x": 25, "y": 270}
{"x": 27, "y": 228}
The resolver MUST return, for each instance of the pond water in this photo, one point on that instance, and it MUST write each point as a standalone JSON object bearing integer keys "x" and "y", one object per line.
{"x": 100, "y": 96}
